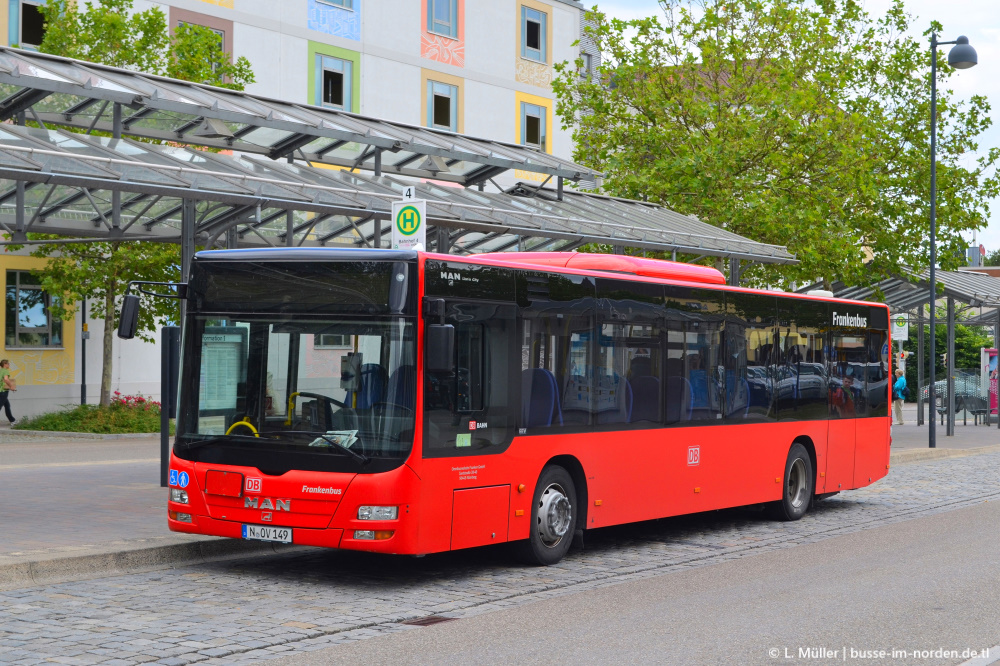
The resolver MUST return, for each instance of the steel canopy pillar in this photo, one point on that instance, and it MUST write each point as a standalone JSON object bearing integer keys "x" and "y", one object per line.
{"x": 920, "y": 368}
{"x": 290, "y": 228}
{"x": 734, "y": 272}
{"x": 950, "y": 368}
{"x": 443, "y": 243}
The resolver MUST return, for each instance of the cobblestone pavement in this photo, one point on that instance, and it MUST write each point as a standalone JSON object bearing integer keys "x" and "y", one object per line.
{"x": 256, "y": 609}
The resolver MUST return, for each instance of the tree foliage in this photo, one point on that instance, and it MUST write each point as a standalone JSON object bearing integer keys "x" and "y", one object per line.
{"x": 110, "y": 32}
{"x": 99, "y": 272}
{"x": 797, "y": 122}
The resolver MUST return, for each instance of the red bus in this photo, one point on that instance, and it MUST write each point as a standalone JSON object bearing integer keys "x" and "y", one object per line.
{"x": 411, "y": 403}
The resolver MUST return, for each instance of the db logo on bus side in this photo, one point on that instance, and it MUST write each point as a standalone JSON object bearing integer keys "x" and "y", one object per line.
{"x": 694, "y": 455}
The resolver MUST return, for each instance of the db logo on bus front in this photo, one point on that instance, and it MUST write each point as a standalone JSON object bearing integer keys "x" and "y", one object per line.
{"x": 694, "y": 455}
{"x": 252, "y": 485}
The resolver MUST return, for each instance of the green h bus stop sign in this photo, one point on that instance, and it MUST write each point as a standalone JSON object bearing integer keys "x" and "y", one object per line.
{"x": 409, "y": 227}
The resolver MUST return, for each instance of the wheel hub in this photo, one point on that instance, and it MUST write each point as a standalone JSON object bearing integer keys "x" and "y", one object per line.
{"x": 797, "y": 483}
{"x": 555, "y": 515}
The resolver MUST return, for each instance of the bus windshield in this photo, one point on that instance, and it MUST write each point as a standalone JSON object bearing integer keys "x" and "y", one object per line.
{"x": 286, "y": 392}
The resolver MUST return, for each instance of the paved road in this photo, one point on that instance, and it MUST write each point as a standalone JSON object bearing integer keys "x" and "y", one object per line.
{"x": 77, "y": 494}
{"x": 890, "y": 593}
{"x": 257, "y": 609}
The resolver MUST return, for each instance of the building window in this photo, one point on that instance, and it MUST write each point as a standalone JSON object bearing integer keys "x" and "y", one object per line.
{"x": 442, "y": 106}
{"x": 327, "y": 340}
{"x": 343, "y": 4}
{"x": 533, "y": 125}
{"x": 333, "y": 82}
{"x": 29, "y": 322}
{"x": 32, "y": 25}
{"x": 588, "y": 66}
{"x": 442, "y": 17}
{"x": 533, "y": 34}
{"x": 221, "y": 34}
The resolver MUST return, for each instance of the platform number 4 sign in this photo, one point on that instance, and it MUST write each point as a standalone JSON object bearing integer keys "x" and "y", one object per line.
{"x": 694, "y": 455}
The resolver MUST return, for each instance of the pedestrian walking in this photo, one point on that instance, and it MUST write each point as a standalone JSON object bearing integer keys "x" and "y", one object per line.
{"x": 898, "y": 395}
{"x": 7, "y": 384}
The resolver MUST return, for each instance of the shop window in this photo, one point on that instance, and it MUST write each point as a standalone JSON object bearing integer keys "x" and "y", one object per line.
{"x": 29, "y": 322}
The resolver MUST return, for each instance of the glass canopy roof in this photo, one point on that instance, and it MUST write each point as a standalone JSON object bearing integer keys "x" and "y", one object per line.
{"x": 69, "y": 184}
{"x": 57, "y": 91}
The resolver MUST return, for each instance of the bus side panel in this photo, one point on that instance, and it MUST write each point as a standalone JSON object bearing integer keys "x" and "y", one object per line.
{"x": 695, "y": 469}
{"x": 871, "y": 462}
{"x": 840, "y": 460}
{"x": 631, "y": 476}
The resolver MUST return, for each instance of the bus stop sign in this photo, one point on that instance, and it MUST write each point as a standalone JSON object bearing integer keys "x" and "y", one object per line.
{"x": 409, "y": 227}
{"x": 900, "y": 326}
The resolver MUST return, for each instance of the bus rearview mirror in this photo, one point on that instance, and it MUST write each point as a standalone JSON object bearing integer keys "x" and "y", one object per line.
{"x": 440, "y": 345}
{"x": 129, "y": 321}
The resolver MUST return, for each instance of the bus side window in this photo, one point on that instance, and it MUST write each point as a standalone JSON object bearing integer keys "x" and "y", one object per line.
{"x": 878, "y": 373}
{"x": 750, "y": 351}
{"x": 468, "y": 410}
{"x": 801, "y": 364}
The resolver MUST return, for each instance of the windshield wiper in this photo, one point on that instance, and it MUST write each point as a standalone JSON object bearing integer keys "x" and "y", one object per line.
{"x": 364, "y": 459}
{"x": 198, "y": 443}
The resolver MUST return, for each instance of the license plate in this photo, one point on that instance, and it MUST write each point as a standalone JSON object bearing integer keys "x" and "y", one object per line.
{"x": 266, "y": 533}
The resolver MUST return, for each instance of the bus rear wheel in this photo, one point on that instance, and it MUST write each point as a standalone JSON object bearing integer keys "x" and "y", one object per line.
{"x": 798, "y": 487}
{"x": 553, "y": 518}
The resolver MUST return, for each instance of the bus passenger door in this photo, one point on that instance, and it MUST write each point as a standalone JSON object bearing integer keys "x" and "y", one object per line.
{"x": 872, "y": 427}
{"x": 844, "y": 401}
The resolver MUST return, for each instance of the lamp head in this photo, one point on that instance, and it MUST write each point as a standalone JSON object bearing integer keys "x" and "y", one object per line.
{"x": 962, "y": 55}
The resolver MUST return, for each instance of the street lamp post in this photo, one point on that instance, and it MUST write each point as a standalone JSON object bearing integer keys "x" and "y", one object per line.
{"x": 961, "y": 56}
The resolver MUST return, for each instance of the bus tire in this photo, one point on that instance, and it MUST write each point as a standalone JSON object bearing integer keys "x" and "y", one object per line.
{"x": 798, "y": 488}
{"x": 553, "y": 518}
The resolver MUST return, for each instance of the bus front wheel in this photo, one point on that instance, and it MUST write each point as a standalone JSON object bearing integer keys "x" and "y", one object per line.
{"x": 798, "y": 486}
{"x": 553, "y": 518}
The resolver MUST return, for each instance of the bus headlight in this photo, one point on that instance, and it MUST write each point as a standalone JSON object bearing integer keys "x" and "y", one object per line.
{"x": 178, "y": 495}
{"x": 378, "y": 512}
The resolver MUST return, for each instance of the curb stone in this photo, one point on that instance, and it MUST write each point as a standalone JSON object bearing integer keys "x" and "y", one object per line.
{"x": 59, "y": 434}
{"x": 917, "y": 455}
{"x": 57, "y": 569}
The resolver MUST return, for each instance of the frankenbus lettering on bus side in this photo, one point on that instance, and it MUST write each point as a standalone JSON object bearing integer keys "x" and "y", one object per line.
{"x": 850, "y": 320}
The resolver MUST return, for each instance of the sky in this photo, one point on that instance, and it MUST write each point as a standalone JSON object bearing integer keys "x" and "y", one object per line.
{"x": 979, "y": 20}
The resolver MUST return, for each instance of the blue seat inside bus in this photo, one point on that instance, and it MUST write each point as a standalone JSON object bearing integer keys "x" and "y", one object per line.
{"x": 373, "y": 383}
{"x": 539, "y": 398}
{"x": 646, "y": 399}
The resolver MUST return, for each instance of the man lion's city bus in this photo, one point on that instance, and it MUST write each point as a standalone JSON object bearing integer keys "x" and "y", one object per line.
{"x": 410, "y": 403}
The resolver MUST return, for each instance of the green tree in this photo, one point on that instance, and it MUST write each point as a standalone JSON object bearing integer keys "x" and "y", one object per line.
{"x": 99, "y": 272}
{"x": 110, "y": 32}
{"x": 798, "y": 122}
